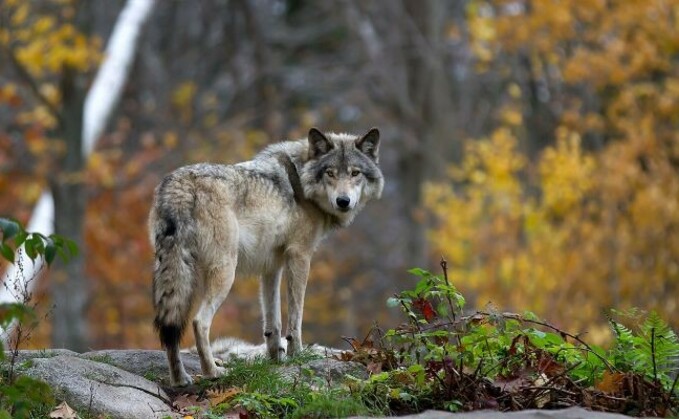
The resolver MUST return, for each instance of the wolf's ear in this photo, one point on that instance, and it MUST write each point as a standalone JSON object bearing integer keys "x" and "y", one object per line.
{"x": 318, "y": 144}
{"x": 369, "y": 144}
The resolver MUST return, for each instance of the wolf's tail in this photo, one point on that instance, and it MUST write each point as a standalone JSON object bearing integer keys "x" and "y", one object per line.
{"x": 174, "y": 277}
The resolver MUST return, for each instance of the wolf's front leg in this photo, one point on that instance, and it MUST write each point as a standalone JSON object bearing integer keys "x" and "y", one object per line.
{"x": 270, "y": 298}
{"x": 297, "y": 274}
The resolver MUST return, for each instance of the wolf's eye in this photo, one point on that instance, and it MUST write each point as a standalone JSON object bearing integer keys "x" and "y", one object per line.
{"x": 355, "y": 173}
{"x": 329, "y": 173}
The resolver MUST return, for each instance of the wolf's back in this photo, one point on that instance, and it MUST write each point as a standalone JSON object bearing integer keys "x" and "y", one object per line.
{"x": 173, "y": 233}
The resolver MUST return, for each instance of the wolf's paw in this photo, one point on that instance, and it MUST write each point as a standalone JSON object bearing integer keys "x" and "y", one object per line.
{"x": 294, "y": 346}
{"x": 277, "y": 353}
{"x": 184, "y": 380}
{"x": 218, "y": 372}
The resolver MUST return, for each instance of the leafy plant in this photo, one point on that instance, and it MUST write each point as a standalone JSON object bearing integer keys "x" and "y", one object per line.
{"x": 510, "y": 361}
{"x": 256, "y": 387}
{"x": 35, "y": 244}
{"x": 22, "y": 397}
{"x": 25, "y": 397}
{"x": 653, "y": 350}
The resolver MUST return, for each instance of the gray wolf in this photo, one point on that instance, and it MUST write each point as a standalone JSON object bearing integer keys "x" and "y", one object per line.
{"x": 265, "y": 217}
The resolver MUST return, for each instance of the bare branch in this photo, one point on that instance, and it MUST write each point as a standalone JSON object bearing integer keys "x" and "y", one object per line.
{"x": 31, "y": 83}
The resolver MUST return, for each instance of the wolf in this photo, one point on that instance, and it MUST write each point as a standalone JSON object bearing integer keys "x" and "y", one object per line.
{"x": 263, "y": 217}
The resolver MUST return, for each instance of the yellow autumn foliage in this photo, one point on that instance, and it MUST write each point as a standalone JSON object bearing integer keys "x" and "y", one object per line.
{"x": 43, "y": 46}
{"x": 574, "y": 230}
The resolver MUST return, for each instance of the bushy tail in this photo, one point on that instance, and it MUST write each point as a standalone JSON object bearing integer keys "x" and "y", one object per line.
{"x": 174, "y": 279}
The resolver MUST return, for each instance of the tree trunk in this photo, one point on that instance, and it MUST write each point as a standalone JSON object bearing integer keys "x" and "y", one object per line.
{"x": 69, "y": 286}
{"x": 431, "y": 93}
{"x": 67, "y": 201}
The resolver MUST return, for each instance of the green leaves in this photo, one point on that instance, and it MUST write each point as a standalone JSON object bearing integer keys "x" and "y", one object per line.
{"x": 9, "y": 312}
{"x": 7, "y": 252}
{"x": 26, "y": 396}
{"x": 34, "y": 244}
{"x": 433, "y": 297}
{"x": 9, "y": 228}
{"x": 499, "y": 344}
{"x": 651, "y": 348}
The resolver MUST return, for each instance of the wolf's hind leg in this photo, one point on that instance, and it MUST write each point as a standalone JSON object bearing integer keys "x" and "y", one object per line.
{"x": 178, "y": 374}
{"x": 218, "y": 284}
{"x": 270, "y": 298}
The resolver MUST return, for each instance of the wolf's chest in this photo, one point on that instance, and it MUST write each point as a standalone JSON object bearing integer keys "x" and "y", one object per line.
{"x": 260, "y": 245}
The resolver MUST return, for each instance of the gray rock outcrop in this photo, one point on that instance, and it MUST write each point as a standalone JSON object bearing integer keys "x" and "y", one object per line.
{"x": 149, "y": 364}
{"x": 96, "y": 388}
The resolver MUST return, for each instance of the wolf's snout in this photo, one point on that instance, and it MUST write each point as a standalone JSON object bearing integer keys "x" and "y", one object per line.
{"x": 343, "y": 202}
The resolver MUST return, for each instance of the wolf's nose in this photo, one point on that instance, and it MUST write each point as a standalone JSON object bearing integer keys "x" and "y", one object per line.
{"x": 343, "y": 202}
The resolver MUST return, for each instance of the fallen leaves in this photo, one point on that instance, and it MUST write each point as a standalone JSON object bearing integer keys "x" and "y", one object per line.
{"x": 365, "y": 352}
{"x": 610, "y": 382}
{"x": 63, "y": 411}
{"x": 219, "y": 396}
{"x": 189, "y": 403}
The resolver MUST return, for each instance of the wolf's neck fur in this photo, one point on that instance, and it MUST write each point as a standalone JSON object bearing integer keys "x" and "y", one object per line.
{"x": 331, "y": 221}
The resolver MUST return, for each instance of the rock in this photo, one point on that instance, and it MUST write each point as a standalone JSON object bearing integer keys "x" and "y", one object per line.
{"x": 149, "y": 364}
{"x": 96, "y": 388}
{"x": 330, "y": 369}
{"x": 570, "y": 413}
{"x": 24, "y": 355}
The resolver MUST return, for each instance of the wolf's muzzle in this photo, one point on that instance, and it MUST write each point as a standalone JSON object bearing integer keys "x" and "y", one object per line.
{"x": 343, "y": 203}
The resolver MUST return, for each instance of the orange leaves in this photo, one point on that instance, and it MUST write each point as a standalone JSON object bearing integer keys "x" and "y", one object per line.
{"x": 425, "y": 308}
{"x": 219, "y": 396}
{"x": 611, "y": 382}
{"x": 193, "y": 404}
{"x": 9, "y": 95}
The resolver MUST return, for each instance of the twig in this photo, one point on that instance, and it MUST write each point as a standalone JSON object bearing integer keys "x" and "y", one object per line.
{"x": 518, "y": 317}
{"x": 444, "y": 266}
{"x": 563, "y": 373}
{"x": 478, "y": 368}
{"x": 30, "y": 81}
{"x": 562, "y": 332}
{"x": 89, "y": 406}
{"x": 655, "y": 369}
{"x": 674, "y": 383}
{"x": 543, "y": 389}
{"x": 158, "y": 396}
{"x": 546, "y": 386}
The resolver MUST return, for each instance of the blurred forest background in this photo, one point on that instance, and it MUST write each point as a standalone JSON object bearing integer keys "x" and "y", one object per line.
{"x": 533, "y": 143}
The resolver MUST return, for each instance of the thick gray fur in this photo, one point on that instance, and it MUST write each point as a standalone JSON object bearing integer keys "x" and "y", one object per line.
{"x": 264, "y": 217}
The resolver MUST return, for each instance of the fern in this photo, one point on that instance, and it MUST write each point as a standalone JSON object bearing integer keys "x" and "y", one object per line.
{"x": 653, "y": 351}
{"x": 624, "y": 345}
{"x": 659, "y": 346}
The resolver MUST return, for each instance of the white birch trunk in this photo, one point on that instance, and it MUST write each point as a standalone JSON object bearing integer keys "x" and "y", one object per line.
{"x": 100, "y": 102}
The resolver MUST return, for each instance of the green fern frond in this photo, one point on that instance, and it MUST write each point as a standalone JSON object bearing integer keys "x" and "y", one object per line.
{"x": 623, "y": 335}
{"x": 660, "y": 344}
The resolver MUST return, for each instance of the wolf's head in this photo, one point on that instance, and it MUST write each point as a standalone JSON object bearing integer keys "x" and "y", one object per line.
{"x": 341, "y": 174}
